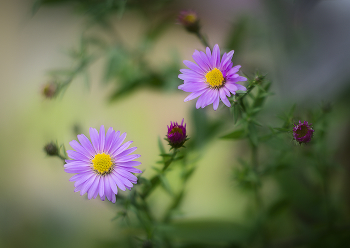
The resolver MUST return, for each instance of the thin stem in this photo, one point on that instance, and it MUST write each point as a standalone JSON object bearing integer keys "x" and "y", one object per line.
{"x": 255, "y": 168}
{"x": 155, "y": 179}
{"x": 63, "y": 158}
{"x": 167, "y": 163}
{"x": 202, "y": 39}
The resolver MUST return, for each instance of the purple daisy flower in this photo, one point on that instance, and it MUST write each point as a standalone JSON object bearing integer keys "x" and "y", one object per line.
{"x": 303, "y": 132}
{"x": 103, "y": 166}
{"x": 176, "y": 134}
{"x": 211, "y": 79}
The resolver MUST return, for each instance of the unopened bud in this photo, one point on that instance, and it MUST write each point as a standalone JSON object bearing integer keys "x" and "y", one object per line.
{"x": 176, "y": 134}
{"x": 51, "y": 149}
{"x": 49, "y": 90}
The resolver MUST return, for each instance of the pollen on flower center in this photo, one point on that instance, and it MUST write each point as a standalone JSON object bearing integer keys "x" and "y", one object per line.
{"x": 215, "y": 78}
{"x": 176, "y": 130}
{"x": 190, "y": 18}
{"x": 102, "y": 163}
{"x": 302, "y": 131}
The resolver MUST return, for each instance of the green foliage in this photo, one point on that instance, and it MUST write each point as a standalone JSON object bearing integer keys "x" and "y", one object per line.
{"x": 301, "y": 211}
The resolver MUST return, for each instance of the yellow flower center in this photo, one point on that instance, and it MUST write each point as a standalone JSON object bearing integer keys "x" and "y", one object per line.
{"x": 190, "y": 18}
{"x": 176, "y": 130}
{"x": 215, "y": 78}
{"x": 102, "y": 163}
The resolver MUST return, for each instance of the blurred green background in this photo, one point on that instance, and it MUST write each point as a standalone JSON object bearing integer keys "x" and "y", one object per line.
{"x": 303, "y": 46}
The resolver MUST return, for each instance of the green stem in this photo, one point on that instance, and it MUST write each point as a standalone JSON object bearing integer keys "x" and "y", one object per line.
{"x": 255, "y": 168}
{"x": 155, "y": 179}
{"x": 202, "y": 39}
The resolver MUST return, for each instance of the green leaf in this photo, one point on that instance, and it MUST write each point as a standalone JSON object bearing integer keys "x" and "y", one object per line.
{"x": 282, "y": 130}
{"x": 238, "y": 34}
{"x": 277, "y": 207}
{"x": 161, "y": 146}
{"x": 165, "y": 184}
{"x": 236, "y": 113}
{"x": 237, "y": 134}
{"x": 253, "y": 133}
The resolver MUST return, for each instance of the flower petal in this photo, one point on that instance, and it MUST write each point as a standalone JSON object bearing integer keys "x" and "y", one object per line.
{"x": 119, "y": 183}
{"x": 231, "y": 87}
{"x": 76, "y": 146}
{"x": 194, "y": 95}
{"x": 129, "y": 163}
{"x": 102, "y": 138}
{"x": 94, "y": 139}
{"x": 117, "y": 143}
{"x": 194, "y": 67}
{"x": 215, "y": 58}
{"x": 121, "y": 148}
{"x": 216, "y": 100}
{"x": 77, "y": 156}
{"x": 87, "y": 184}
{"x": 108, "y": 190}
{"x": 128, "y": 158}
{"x": 109, "y": 139}
{"x": 192, "y": 87}
{"x": 127, "y": 152}
{"x": 224, "y": 98}
{"x": 113, "y": 185}
{"x": 85, "y": 142}
{"x": 93, "y": 188}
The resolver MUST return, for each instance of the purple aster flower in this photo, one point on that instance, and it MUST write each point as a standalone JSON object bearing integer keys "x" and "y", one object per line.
{"x": 176, "y": 134}
{"x": 302, "y": 132}
{"x": 211, "y": 79}
{"x": 103, "y": 166}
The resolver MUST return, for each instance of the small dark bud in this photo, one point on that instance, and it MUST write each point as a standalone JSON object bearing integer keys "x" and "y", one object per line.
{"x": 51, "y": 149}
{"x": 49, "y": 90}
{"x": 259, "y": 79}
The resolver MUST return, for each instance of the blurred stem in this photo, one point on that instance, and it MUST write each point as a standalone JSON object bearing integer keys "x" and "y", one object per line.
{"x": 255, "y": 168}
{"x": 81, "y": 67}
{"x": 258, "y": 201}
{"x": 202, "y": 39}
{"x": 156, "y": 179}
{"x": 63, "y": 158}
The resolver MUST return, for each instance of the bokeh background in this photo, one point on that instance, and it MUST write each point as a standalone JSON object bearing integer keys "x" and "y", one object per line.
{"x": 302, "y": 45}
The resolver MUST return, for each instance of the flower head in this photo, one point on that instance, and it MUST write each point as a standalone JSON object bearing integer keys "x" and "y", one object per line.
{"x": 176, "y": 134}
{"x": 302, "y": 132}
{"x": 211, "y": 79}
{"x": 189, "y": 19}
{"x": 103, "y": 166}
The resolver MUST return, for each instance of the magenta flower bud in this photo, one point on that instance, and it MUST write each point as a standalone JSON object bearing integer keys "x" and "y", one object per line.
{"x": 302, "y": 132}
{"x": 176, "y": 134}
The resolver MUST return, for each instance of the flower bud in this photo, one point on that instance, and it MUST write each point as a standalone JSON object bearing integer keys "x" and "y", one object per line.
{"x": 302, "y": 132}
{"x": 51, "y": 149}
{"x": 176, "y": 134}
{"x": 189, "y": 19}
{"x": 49, "y": 90}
